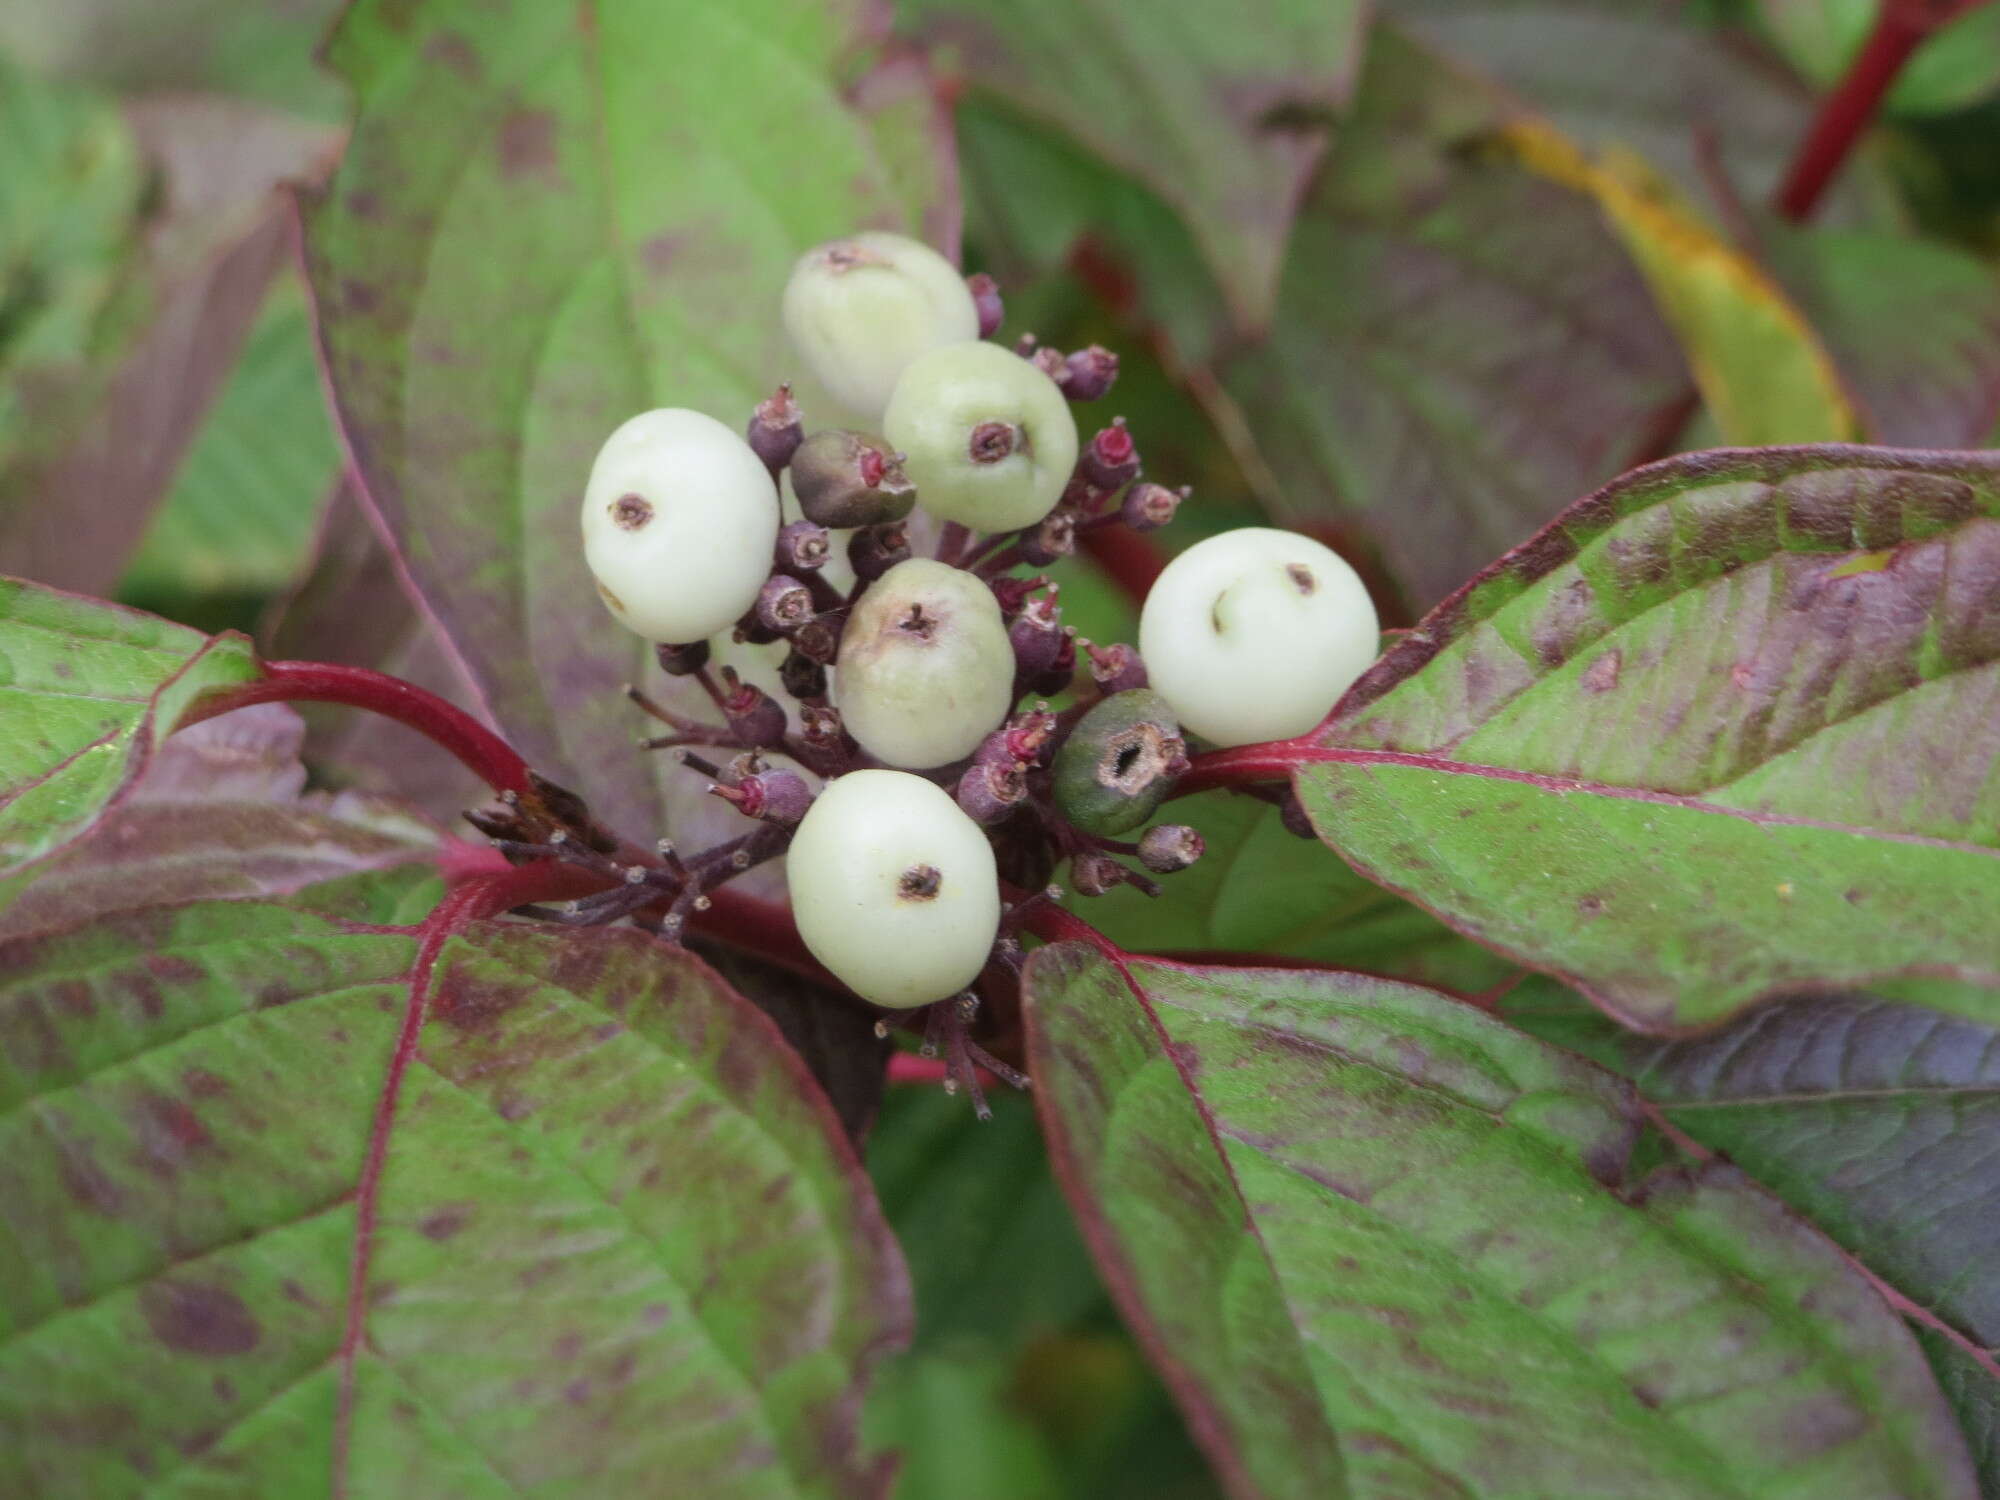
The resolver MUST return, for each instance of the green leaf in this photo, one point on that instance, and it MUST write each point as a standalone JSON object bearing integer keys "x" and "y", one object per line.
{"x": 239, "y": 518}
{"x": 1384, "y": 1244}
{"x": 1220, "y": 111}
{"x": 1723, "y": 729}
{"x": 1259, "y": 889}
{"x": 220, "y": 810}
{"x": 88, "y": 689}
{"x": 544, "y": 223}
{"x": 620, "y": 1242}
{"x": 1457, "y": 338}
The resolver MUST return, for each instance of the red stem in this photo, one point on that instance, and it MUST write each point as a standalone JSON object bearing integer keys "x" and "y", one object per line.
{"x": 1249, "y": 764}
{"x": 483, "y": 896}
{"x": 482, "y": 751}
{"x": 1129, "y": 558}
{"x": 1901, "y": 26}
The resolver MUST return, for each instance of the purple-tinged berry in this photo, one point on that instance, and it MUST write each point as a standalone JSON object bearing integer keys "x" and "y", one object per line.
{"x": 845, "y": 479}
{"x": 776, "y": 429}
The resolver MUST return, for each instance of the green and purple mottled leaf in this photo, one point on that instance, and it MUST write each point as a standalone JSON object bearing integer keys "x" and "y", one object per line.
{"x": 1457, "y": 340}
{"x": 86, "y": 691}
{"x": 1385, "y": 1245}
{"x": 551, "y": 217}
{"x": 1221, "y": 111}
{"x": 1726, "y": 728}
{"x": 620, "y": 1245}
{"x": 220, "y": 810}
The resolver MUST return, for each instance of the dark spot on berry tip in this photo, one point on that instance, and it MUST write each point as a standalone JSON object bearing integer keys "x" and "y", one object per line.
{"x": 920, "y": 883}
{"x": 630, "y": 512}
{"x": 1302, "y": 578}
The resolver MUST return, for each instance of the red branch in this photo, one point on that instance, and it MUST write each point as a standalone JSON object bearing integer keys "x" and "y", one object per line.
{"x": 1129, "y": 558}
{"x": 483, "y": 896}
{"x": 1901, "y": 26}
{"x": 482, "y": 751}
{"x": 1248, "y": 765}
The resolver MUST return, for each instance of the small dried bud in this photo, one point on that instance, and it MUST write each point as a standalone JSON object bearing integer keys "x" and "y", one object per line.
{"x": 1170, "y": 848}
{"x": 986, "y": 300}
{"x": 803, "y": 547}
{"x": 1148, "y": 507}
{"x": 1092, "y": 874}
{"x": 1116, "y": 668}
{"x": 802, "y": 677}
{"x": 1088, "y": 373}
{"x": 1060, "y": 671}
{"x": 848, "y": 479}
{"x": 783, "y": 604}
{"x": 1025, "y": 345}
{"x": 819, "y": 637}
{"x": 989, "y": 791}
{"x": 682, "y": 661}
{"x": 1013, "y": 592}
{"x": 754, "y": 631}
{"x": 820, "y": 727}
{"x": 874, "y": 550}
{"x": 1037, "y": 637}
{"x": 1049, "y": 360}
{"x": 1052, "y": 539}
{"x": 1110, "y": 460}
{"x": 755, "y": 717}
{"x": 774, "y": 796}
{"x": 496, "y": 822}
{"x": 776, "y": 429}
{"x": 1022, "y": 739}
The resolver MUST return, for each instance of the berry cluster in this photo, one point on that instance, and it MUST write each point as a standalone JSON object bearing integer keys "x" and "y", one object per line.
{"x": 921, "y": 759}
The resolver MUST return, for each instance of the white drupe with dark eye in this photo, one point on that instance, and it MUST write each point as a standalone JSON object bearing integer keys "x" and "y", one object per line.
{"x": 679, "y": 519}
{"x": 893, "y": 888}
{"x": 859, "y": 310}
{"x": 986, "y": 436}
{"x": 926, "y": 670}
{"x": 1253, "y": 635}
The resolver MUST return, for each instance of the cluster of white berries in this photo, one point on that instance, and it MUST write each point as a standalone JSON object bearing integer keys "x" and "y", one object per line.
{"x": 908, "y": 683}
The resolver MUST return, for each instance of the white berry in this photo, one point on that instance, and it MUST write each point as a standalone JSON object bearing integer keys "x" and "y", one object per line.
{"x": 893, "y": 888}
{"x": 926, "y": 670}
{"x": 987, "y": 436}
{"x": 860, "y": 309}
{"x": 679, "y": 520}
{"x": 1254, "y": 634}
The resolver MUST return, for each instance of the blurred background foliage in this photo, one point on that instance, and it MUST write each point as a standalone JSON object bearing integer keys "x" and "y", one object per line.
{"x": 1444, "y": 268}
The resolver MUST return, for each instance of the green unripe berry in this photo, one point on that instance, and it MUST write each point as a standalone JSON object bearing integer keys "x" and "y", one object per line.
{"x": 860, "y": 309}
{"x": 1119, "y": 763}
{"x": 893, "y": 888}
{"x": 986, "y": 436}
{"x": 679, "y": 519}
{"x": 1254, "y": 634}
{"x": 925, "y": 669}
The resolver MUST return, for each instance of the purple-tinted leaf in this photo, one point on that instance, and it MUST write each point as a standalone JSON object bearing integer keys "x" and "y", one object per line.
{"x": 107, "y": 416}
{"x": 1458, "y": 340}
{"x": 1379, "y": 1237}
{"x": 1914, "y": 327}
{"x": 620, "y": 1243}
{"x": 220, "y": 810}
{"x": 86, "y": 691}
{"x": 1724, "y": 729}
{"x": 1975, "y": 1398}
{"x": 1222, "y": 111}
{"x": 1649, "y": 75}
{"x": 548, "y": 219}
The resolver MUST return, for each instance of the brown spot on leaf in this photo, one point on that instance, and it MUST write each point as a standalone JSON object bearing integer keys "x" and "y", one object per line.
{"x": 86, "y": 1183}
{"x": 1590, "y": 906}
{"x": 453, "y": 51}
{"x": 659, "y": 253}
{"x": 1601, "y": 676}
{"x": 199, "y": 1318}
{"x": 73, "y": 998}
{"x": 203, "y": 1084}
{"x": 566, "y": 1347}
{"x": 443, "y": 1223}
{"x": 527, "y": 143}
